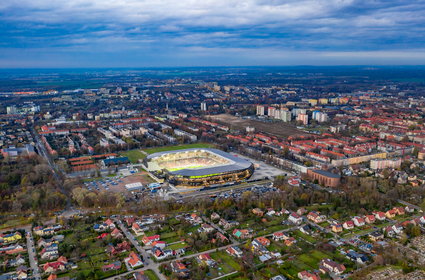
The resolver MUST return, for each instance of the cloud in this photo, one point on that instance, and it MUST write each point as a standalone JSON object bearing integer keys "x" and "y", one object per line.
{"x": 316, "y": 26}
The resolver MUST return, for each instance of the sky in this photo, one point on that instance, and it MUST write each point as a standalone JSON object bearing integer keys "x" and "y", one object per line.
{"x": 168, "y": 33}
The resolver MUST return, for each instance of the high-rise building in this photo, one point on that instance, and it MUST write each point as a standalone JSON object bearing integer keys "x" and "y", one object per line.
{"x": 271, "y": 111}
{"x": 11, "y": 110}
{"x": 285, "y": 116}
{"x": 203, "y": 106}
{"x": 385, "y": 163}
{"x": 260, "y": 110}
{"x": 320, "y": 117}
{"x": 297, "y": 111}
{"x": 303, "y": 118}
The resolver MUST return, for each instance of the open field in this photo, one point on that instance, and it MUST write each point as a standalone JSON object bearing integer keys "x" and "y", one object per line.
{"x": 151, "y": 274}
{"x": 279, "y": 129}
{"x": 13, "y": 221}
{"x": 141, "y": 177}
{"x": 133, "y": 155}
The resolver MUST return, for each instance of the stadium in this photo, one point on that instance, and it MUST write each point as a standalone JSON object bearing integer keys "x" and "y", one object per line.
{"x": 198, "y": 167}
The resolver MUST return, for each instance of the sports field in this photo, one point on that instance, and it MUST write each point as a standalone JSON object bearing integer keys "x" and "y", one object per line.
{"x": 186, "y": 167}
{"x": 135, "y": 155}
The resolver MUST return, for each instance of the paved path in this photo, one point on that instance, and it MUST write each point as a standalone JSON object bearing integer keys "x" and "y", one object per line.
{"x": 225, "y": 275}
{"x": 32, "y": 255}
{"x": 409, "y": 204}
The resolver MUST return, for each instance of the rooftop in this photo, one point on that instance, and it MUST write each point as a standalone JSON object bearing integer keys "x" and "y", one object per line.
{"x": 234, "y": 163}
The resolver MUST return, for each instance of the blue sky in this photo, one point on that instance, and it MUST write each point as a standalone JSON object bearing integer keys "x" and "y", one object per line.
{"x": 140, "y": 33}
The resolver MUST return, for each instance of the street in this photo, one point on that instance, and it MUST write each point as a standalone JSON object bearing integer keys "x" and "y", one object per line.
{"x": 32, "y": 255}
{"x": 148, "y": 263}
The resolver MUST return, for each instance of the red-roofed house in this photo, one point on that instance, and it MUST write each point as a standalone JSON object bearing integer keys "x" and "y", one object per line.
{"x": 358, "y": 222}
{"x": 399, "y": 210}
{"x": 234, "y": 251}
{"x": 370, "y": 219}
{"x": 53, "y": 267}
{"x": 348, "y": 225}
{"x": 110, "y": 223}
{"x": 147, "y": 240}
{"x": 305, "y": 275}
{"x": 277, "y": 236}
{"x": 390, "y": 214}
{"x": 159, "y": 244}
{"x": 116, "y": 233}
{"x": 133, "y": 260}
{"x": 337, "y": 228}
{"x": 328, "y": 265}
{"x": 315, "y": 217}
{"x": 263, "y": 241}
{"x": 380, "y": 216}
{"x": 103, "y": 235}
{"x": 137, "y": 229}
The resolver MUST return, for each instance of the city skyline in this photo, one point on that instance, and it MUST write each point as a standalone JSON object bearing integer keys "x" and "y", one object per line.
{"x": 41, "y": 34}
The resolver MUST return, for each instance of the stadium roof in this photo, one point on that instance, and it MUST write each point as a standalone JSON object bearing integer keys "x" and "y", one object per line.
{"x": 235, "y": 163}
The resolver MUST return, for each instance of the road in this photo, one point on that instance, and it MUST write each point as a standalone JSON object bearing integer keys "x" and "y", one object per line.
{"x": 148, "y": 263}
{"x": 409, "y": 204}
{"x": 197, "y": 194}
{"x": 32, "y": 255}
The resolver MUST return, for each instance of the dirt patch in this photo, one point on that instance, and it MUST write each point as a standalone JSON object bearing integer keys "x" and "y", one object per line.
{"x": 279, "y": 129}
{"x": 142, "y": 177}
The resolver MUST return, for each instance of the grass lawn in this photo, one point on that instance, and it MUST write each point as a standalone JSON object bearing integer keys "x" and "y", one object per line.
{"x": 178, "y": 147}
{"x": 176, "y": 246}
{"x": 192, "y": 229}
{"x": 311, "y": 262}
{"x": 250, "y": 223}
{"x": 13, "y": 222}
{"x": 275, "y": 246}
{"x": 151, "y": 275}
{"x": 359, "y": 231}
{"x": 220, "y": 269}
{"x": 262, "y": 228}
{"x": 306, "y": 237}
{"x": 300, "y": 265}
{"x": 269, "y": 230}
{"x": 318, "y": 207}
{"x": 133, "y": 155}
{"x": 312, "y": 258}
{"x": 173, "y": 221}
{"x": 226, "y": 259}
{"x": 290, "y": 273}
{"x": 169, "y": 237}
{"x": 324, "y": 224}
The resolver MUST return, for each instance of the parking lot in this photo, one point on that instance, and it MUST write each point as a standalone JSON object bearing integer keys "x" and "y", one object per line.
{"x": 263, "y": 170}
{"x": 117, "y": 183}
{"x": 104, "y": 184}
{"x": 255, "y": 189}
